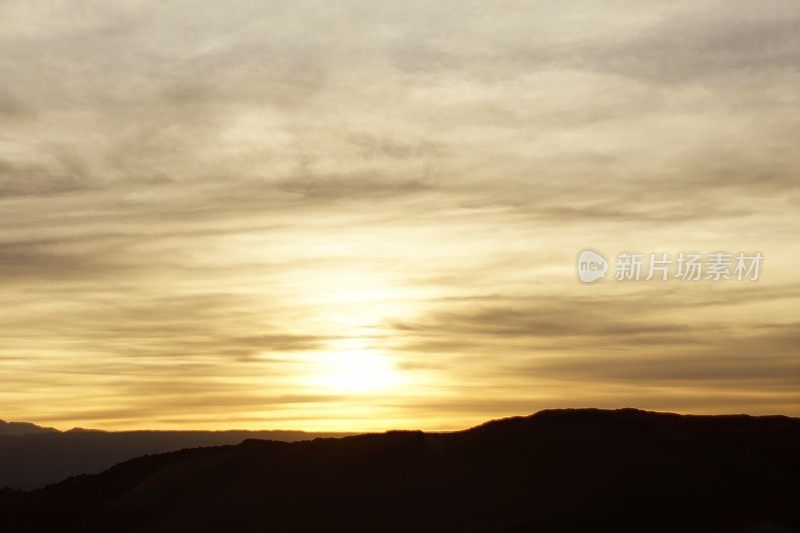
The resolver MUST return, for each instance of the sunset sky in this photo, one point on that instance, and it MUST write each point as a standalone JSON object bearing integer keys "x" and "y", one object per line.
{"x": 366, "y": 215}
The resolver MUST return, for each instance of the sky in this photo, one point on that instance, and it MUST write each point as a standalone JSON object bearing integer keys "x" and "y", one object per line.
{"x": 366, "y": 215}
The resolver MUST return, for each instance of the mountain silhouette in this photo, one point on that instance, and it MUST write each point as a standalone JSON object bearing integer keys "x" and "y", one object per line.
{"x": 32, "y": 457}
{"x": 559, "y": 470}
{"x": 14, "y": 429}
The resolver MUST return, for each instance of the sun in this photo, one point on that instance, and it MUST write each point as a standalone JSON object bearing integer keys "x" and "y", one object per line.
{"x": 358, "y": 371}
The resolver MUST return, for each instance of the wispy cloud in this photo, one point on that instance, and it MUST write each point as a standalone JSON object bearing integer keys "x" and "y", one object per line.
{"x": 201, "y": 202}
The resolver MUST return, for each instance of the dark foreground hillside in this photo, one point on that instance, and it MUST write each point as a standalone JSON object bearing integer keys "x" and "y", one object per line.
{"x": 584, "y": 470}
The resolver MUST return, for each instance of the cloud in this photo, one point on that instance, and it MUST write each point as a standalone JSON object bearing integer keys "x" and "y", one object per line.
{"x": 742, "y": 369}
{"x": 196, "y": 196}
{"x": 708, "y": 41}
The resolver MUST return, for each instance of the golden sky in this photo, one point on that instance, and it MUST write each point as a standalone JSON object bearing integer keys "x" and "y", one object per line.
{"x": 365, "y": 215}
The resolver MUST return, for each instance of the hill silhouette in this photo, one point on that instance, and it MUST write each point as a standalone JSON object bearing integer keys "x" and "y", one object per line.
{"x": 32, "y": 457}
{"x": 563, "y": 470}
{"x": 14, "y": 429}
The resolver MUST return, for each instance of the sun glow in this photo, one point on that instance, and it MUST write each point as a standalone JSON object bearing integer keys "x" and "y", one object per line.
{"x": 356, "y": 371}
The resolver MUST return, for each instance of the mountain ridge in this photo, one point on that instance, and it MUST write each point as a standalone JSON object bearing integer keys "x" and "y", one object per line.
{"x": 34, "y": 460}
{"x": 16, "y": 429}
{"x": 626, "y": 470}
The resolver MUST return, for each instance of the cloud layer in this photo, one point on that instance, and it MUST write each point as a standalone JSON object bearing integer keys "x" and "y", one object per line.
{"x": 202, "y": 204}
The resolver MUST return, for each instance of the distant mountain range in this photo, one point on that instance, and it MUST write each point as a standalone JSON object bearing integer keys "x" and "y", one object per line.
{"x": 14, "y": 429}
{"x": 565, "y": 470}
{"x": 32, "y": 456}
